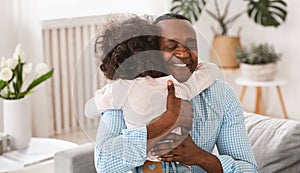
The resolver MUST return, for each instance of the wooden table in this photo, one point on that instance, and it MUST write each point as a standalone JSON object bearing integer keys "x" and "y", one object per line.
{"x": 259, "y": 108}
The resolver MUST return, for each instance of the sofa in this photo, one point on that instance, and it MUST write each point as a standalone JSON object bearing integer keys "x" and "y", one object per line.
{"x": 275, "y": 143}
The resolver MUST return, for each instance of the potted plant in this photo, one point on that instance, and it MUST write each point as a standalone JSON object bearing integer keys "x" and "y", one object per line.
{"x": 259, "y": 63}
{"x": 264, "y": 12}
{"x": 16, "y": 83}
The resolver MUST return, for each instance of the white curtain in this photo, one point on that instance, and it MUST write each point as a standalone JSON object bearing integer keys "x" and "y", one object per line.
{"x": 20, "y": 23}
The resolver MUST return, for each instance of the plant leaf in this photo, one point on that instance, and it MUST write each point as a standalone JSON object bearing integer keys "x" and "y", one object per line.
{"x": 279, "y": 1}
{"x": 281, "y": 14}
{"x": 226, "y": 9}
{"x": 212, "y": 14}
{"x": 175, "y": 8}
{"x": 23, "y": 94}
{"x": 191, "y": 9}
{"x": 40, "y": 80}
{"x": 15, "y": 88}
{"x": 234, "y": 18}
{"x": 266, "y": 12}
{"x": 17, "y": 74}
{"x": 2, "y": 84}
{"x": 218, "y": 9}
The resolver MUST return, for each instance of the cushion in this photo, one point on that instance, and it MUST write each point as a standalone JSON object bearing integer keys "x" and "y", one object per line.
{"x": 75, "y": 160}
{"x": 275, "y": 142}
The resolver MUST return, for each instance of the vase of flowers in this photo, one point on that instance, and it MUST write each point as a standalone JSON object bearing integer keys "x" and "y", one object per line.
{"x": 15, "y": 86}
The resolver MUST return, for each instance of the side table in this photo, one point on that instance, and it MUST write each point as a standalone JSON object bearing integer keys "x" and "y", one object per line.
{"x": 40, "y": 153}
{"x": 259, "y": 109}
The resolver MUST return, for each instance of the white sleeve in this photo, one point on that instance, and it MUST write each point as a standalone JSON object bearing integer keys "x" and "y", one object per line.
{"x": 203, "y": 77}
{"x": 102, "y": 101}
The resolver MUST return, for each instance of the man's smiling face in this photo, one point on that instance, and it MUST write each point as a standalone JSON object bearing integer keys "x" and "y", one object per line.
{"x": 179, "y": 48}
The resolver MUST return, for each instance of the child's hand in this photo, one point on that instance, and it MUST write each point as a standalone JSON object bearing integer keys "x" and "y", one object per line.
{"x": 180, "y": 111}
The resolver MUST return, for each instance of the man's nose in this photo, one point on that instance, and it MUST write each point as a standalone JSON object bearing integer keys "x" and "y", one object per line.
{"x": 181, "y": 52}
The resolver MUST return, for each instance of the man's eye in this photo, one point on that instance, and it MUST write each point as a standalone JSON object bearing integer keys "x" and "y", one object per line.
{"x": 192, "y": 46}
{"x": 171, "y": 47}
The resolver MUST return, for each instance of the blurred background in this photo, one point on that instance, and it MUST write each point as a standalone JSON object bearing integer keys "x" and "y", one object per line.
{"x": 57, "y": 31}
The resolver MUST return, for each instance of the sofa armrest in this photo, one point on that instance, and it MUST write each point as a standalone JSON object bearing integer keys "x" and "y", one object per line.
{"x": 76, "y": 160}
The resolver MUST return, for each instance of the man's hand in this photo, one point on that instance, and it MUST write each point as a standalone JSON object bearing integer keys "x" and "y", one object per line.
{"x": 180, "y": 148}
{"x": 187, "y": 152}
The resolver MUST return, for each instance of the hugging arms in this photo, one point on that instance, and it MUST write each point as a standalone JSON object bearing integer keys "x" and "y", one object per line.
{"x": 212, "y": 117}
{"x": 215, "y": 122}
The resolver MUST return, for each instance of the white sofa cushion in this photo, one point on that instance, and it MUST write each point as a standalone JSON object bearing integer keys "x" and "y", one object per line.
{"x": 275, "y": 142}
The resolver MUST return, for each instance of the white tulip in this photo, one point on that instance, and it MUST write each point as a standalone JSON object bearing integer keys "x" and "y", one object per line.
{"x": 3, "y": 62}
{"x": 11, "y": 63}
{"x": 19, "y": 52}
{"x": 6, "y": 74}
{"x": 42, "y": 68}
{"x": 28, "y": 69}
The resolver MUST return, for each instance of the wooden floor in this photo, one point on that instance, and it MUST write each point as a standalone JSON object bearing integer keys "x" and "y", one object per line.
{"x": 78, "y": 136}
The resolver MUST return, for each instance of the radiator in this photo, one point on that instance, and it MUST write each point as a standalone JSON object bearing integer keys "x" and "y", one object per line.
{"x": 66, "y": 49}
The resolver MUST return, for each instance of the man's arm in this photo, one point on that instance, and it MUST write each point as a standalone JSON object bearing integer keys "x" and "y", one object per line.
{"x": 235, "y": 152}
{"x": 118, "y": 149}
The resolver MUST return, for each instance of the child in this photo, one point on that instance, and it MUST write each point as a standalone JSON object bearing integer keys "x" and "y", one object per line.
{"x": 137, "y": 76}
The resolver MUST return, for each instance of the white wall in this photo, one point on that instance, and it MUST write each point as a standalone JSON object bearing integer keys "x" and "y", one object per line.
{"x": 285, "y": 40}
{"x": 51, "y": 9}
{"x": 6, "y": 45}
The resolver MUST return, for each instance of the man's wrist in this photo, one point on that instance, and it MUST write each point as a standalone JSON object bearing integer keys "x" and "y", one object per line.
{"x": 160, "y": 126}
{"x": 208, "y": 161}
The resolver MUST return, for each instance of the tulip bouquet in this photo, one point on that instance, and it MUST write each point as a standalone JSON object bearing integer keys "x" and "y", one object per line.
{"x": 14, "y": 71}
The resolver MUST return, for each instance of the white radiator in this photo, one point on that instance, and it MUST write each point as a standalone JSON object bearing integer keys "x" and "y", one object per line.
{"x": 64, "y": 44}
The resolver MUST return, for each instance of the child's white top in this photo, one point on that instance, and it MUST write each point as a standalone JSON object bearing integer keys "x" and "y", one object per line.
{"x": 144, "y": 98}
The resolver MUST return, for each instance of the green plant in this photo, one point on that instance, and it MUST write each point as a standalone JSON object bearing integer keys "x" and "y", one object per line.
{"x": 258, "y": 54}
{"x": 189, "y": 8}
{"x": 13, "y": 73}
{"x": 263, "y": 12}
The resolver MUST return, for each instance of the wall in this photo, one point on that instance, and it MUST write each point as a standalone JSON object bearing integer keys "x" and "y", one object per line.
{"x": 285, "y": 40}
{"x": 69, "y": 8}
{"x": 6, "y": 45}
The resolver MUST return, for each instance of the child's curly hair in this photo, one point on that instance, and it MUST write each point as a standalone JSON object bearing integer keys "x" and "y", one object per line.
{"x": 129, "y": 49}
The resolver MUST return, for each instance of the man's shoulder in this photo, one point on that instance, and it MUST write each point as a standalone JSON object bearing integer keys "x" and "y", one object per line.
{"x": 217, "y": 92}
{"x": 218, "y": 86}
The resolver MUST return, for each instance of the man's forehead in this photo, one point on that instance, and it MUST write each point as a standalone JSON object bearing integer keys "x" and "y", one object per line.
{"x": 176, "y": 29}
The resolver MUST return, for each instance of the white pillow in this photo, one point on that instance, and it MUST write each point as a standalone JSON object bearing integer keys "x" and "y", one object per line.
{"x": 275, "y": 142}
